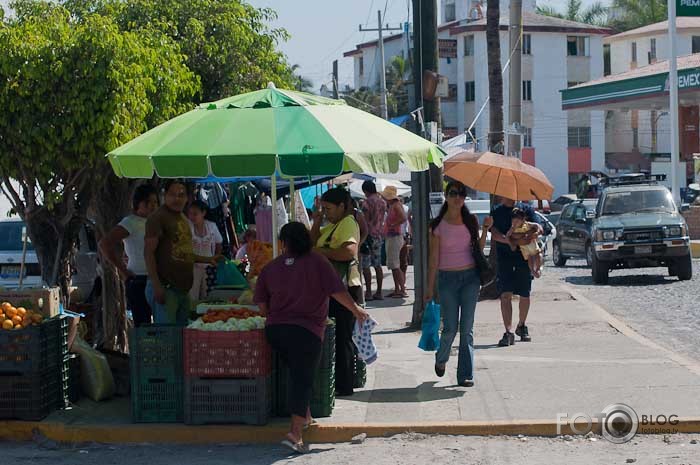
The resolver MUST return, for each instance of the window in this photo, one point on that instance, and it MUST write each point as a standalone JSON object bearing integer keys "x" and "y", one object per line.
{"x": 635, "y": 138}
{"x": 696, "y": 44}
{"x": 580, "y": 213}
{"x": 577, "y": 46}
{"x": 469, "y": 91}
{"x": 527, "y": 137}
{"x": 579, "y": 137}
{"x": 573, "y": 83}
{"x": 469, "y": 46}
{"x": 527, "y": 91}
{"x": 527, "y": 44}
{"x": 568, "y": 213}
{"x": 634, "y": 52}
{"x": 362, "y": 65}
{"x": 607, "y": 65}
{"x": 652, "y": 51}
{"x": 450, "y": 12}
{"x": 451, "y": 93}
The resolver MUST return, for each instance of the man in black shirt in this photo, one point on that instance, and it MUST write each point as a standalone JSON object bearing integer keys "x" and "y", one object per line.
{"x": 514, "y": 275}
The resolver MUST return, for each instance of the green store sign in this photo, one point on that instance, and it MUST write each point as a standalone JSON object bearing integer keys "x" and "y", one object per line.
{"x": 687, "y": 7}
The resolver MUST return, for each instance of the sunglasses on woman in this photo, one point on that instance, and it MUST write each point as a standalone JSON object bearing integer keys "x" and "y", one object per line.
{"x": 456, "y": 193}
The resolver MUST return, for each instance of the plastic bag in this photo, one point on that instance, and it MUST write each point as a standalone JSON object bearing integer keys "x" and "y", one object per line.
{"x": 228, "y": 275}
{"x": 430, "y": 337}
{"x": 96, "y": 376}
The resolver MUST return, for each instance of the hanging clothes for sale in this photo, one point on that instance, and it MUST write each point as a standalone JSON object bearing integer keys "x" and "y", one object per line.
{"x": 263, "y": 219}
{"x": 243, "y": 202}
{"x": 302, "y": 215}
{"x": 282, "y": 215}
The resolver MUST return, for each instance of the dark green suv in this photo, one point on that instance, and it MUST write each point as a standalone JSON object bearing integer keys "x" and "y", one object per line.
{"x": 636, "y": 225}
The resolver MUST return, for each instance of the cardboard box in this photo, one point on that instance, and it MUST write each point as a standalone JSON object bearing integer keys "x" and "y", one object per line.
{"x": 45, "y": 300}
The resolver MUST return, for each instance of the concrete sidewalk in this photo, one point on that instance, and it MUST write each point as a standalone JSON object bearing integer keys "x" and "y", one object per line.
{"x": 581, "y": 360}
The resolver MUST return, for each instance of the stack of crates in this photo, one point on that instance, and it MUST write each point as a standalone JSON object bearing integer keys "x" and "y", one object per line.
{"x": 33, "y": 367}
{"x": 227, "y": 377}
{"x": 156, "y": 374}
{"x": 360, "y": 372}
{"x": 323, "y": 391}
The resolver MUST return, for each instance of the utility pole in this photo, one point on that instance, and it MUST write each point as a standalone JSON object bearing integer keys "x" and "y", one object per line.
{"x": 516, "y": 79}
{"x": 335, "y": 79}
{"x": 425, "y": 57}
{"x": 382, "y": 71}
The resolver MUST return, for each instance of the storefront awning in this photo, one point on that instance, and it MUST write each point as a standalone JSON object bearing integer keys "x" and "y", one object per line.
{"x": 641, "y": 88}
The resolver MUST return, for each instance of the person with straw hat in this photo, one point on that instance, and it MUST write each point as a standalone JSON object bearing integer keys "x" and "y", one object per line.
{"x": 396, "y": 217}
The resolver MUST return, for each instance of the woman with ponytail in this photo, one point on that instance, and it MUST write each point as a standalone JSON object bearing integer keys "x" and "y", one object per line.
{"x": 454, "y": 234}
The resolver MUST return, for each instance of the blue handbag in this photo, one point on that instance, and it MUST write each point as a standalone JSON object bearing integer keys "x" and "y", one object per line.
{"x": 430, "y": 337}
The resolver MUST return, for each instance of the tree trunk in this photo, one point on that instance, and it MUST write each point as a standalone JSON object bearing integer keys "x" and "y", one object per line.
{"x": 112, "y": 201}
{"x": 493, "y": 44}
{"x": 495, "y": 139}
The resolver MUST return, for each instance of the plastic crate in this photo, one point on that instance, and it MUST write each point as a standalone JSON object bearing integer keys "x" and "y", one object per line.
{"x": 157, "y": 400}
{"x": 225, "y": 401}
{"x": 328, "y": 349}
{"x": 35, "y": 348}
{"x": 227, "y": 354}
{"x": 360, "y": 373}
{"x": 322, "y": 392}
{"x": 74, "y": 388}
{"x": 156, "y": 351}
{"x": 30, "y": 396}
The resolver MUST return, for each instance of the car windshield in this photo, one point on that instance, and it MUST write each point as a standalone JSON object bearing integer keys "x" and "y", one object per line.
{"x": 619, "y": 203}
{"x": 11, "y": 236}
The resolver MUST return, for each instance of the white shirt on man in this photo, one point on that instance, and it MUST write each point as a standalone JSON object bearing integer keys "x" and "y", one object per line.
{"x": 134, "y": 243}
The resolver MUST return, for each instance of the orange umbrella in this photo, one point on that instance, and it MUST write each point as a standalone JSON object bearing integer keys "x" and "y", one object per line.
{"x": 500, "y": 175}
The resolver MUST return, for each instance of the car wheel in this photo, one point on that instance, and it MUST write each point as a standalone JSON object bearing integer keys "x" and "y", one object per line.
{"x": 589, "y": 254}
{"x": 559, "y": 259}
{"x": 599, "y": 270}
{"x": 684, "y": 268}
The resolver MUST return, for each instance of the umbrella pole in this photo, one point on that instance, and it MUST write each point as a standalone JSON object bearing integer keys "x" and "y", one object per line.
{"x": 275, "y": 246}
{"x": 292, "y": 200}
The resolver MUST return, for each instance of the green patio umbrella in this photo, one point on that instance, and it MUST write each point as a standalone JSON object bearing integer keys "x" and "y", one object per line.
{"x": 292, "y": 134}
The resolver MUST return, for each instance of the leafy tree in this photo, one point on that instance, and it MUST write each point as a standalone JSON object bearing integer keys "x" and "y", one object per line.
{"x": 396, "y": 76}
{"x": 595, "y": 13}
{"x": 301, "y": 83}
{"x": 632, "y": 14}
{"x": 228, "y": 43}
{"x": 71, "y": 91}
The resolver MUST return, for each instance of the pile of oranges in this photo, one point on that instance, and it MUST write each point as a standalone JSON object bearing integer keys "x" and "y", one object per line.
{"x": 13, "y": 318}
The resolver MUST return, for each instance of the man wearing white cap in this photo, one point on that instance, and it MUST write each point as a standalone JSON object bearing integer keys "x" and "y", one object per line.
{"x": 396, "y": 217}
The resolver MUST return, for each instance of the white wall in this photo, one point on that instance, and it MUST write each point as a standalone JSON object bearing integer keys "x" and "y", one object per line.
{"x": 549, "y": 134}
{"x": 372, "y": 67}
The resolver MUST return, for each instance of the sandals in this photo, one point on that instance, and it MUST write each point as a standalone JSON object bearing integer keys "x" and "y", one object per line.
{"x": 296, "y": 447}
{"x": 397, "y": 295}
{"x": 313, "y": 422}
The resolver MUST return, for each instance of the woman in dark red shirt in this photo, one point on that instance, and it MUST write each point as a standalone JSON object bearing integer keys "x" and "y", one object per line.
{"x": 293, "y": 291}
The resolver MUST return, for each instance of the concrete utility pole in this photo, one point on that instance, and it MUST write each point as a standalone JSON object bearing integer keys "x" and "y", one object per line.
{"x": 335, "y": 79}
{"x": 382, "y": 71}
{"x": 516, "y": 78}
{"x": 425, "y": 57}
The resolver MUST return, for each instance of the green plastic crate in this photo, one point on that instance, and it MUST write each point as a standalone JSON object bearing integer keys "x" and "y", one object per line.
{"x": 228, "y": 400}
{"x": 360, "y": 373}
{"x": 322, "y": 393}
{"x": 156, "y": 366}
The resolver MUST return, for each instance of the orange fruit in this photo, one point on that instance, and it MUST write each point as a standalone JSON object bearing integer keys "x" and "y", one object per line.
{"x": 11, "y": 311}
{"x": 17, "y": 320}
{"x": 7, "y": 324}
{"x": 6, "y": 305}
{"x": 21, "y": 311}
{"x": 17, "y": 327}
{"x": 36, "y": 318}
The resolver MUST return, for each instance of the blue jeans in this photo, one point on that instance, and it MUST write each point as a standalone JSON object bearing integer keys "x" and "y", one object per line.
{"x": 175, "y": 310}
{"x": 458, "y": 290}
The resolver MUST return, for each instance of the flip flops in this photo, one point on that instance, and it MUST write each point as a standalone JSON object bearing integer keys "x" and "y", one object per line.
{"x": 298, "y": 447}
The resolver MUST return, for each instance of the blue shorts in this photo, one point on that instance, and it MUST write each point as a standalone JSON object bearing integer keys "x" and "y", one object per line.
{"x": 514, "y": 274}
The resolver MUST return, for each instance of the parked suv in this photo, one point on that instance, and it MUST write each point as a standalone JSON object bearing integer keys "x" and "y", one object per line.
{"x": 637, "y": 224}
{"x": 574, "y": 238}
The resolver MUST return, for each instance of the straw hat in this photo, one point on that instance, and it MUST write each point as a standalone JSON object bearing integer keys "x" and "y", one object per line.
{"x": 390, "y": 193}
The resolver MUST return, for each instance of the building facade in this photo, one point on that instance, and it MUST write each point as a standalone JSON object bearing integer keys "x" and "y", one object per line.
{"x": 555, "y": 54}
{"x": 640, "y": 139}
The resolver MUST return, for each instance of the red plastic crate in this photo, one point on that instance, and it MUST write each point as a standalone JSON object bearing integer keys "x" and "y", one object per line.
{"x": 227, "y": 354}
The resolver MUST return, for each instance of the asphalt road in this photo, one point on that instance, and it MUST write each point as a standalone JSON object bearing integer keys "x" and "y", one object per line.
{"x": 655, "y": 305}
{"x": 403, "y": 449}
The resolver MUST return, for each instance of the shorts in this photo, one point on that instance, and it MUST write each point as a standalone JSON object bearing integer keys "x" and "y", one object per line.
{"x": 393, "y": 252}
{"x": 513, "y": 275}
{"x": 372, "y": 259}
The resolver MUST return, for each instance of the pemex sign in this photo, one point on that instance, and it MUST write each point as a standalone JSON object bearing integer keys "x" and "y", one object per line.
{"x": 687, "y": 7}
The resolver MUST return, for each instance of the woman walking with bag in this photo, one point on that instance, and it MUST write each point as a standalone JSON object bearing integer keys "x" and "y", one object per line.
{"x": 338, "y": 241}
{"x": 456, "y": 261}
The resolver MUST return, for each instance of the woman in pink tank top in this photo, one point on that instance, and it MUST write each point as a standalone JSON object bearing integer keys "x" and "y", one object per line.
{"x": 454, "y": 234}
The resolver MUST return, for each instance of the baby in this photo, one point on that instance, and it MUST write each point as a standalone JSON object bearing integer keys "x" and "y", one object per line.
{"x": 531, "y": 252}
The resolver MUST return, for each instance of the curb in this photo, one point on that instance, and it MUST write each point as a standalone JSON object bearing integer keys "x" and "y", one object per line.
{"x": 695, "y": 249}
{"x": 271, "y": 434}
